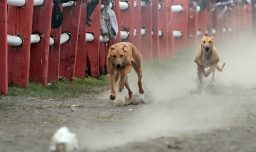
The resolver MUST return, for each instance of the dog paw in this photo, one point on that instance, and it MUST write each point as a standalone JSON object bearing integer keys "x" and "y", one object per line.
{"x": 141, "y": 91}
{"x": 223, "y": 65}
{"x": 112, "y": 97}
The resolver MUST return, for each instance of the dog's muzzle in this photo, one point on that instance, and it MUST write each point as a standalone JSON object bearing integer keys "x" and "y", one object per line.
{"x": 207, "y": 49}
{"x": 119, "y": 66}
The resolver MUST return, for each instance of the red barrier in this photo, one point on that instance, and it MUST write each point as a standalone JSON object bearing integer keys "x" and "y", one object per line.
{"x": 126, "y": 20}
{"x": 163, "y": 32}
{"x": 193, "y": 27}
{"x": 68, "y": 51}
{"x": 180, "y": 23}
{"x": 229, "y": 24}
{"x": 117, "y": 12}
{"x": 3, "y": 48}
{"x": 203, "y": 22}
{"x": 136, "y": 22}
{"x": 146, "y": 40}
{"x": 20, "y": 23}
{"x": 130, "y": 22}
{"x": 243, "y": 11}
{"x": 54, "y": 56}
{"x": 92, "y": 48}
{"x": 102, "y": 57}
{"x": 155, "y": 28}
{"x": 233, "y": 20}
{"x": 221, "y": 24}
{"x": 81, "y": 52}
{"x": 247, "y": 16}
{"x": 39, "y": 53}
{"x": 171, "y": 50}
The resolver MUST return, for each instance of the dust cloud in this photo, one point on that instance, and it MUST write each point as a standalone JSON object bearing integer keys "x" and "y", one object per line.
{"x": 240, "y": 58}
{"x": 176, "y": 107}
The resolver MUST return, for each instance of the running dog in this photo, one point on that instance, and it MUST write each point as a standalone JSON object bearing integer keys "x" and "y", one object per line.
{"x": 207, "y": 57}
{"x": 121, "y": 58}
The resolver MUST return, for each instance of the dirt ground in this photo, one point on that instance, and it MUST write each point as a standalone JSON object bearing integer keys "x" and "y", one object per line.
{"x": 175, "y": 118}
{"x": 183, "y": 125}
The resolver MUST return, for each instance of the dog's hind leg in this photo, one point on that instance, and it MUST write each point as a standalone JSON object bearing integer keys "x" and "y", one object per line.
{"x": 200, "y": 79}
{"x": 209, "y": 71}
{"x": 213, "y": 76}
{"x": 123, "y": 77}
{"x": 200, "y": 75}
{"x": 117, "y": 76}
{"x": 138, "y": 70}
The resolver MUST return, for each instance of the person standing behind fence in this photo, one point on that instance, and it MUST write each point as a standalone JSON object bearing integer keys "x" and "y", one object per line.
{"x": 108, "y": 21}
{"x": 91, "y": 5}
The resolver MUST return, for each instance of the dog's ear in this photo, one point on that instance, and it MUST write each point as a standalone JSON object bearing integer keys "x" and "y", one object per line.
{"x": 206, "y": 34}
{"x": 111, "y": 48}
{"x": 125, "y": 49}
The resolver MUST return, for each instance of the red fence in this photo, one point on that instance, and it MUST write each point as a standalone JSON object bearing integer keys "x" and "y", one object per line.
{"x": 32, "y": 50}
{"x": 3, "y": 48}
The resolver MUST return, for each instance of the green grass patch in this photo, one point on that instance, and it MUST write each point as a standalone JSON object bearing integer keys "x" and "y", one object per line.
{"x": 60, "y": 90}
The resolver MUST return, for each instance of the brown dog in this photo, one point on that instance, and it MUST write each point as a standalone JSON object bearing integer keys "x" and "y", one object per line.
{"x": 120, "y": 60}
{"x": 207, "y": 57}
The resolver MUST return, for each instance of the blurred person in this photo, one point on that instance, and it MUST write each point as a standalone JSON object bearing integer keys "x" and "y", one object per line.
{"x": 108, "y": 21}
{"x": 91, "y": 5}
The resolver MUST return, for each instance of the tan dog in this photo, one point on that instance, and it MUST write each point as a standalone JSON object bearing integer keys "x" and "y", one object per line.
{"x": 207, "y": 57}
{"x": 120, "y": 60}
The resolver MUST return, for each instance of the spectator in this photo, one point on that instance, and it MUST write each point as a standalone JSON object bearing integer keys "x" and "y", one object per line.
{"x": 57, "y": 16}
{"x": 108, "y": 21}
{"x": 91, "y": 5}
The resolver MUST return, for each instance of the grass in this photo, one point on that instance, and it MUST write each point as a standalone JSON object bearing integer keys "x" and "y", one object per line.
{"x": 60, "y": 90}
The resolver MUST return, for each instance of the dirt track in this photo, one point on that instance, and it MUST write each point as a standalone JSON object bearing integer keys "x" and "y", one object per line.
{"x": 225, "y": 123}
{"x": 179, "y": 119}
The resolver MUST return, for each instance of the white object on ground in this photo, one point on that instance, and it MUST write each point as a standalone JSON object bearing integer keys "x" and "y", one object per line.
{"x": 64, "y": 141}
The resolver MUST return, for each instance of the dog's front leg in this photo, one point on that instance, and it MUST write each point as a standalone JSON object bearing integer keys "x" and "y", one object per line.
{"x": 129, "y": 89}
{"x": 112, "y": 86}
{"x": 123, "y": 77}
{"x": 221, "y": 68}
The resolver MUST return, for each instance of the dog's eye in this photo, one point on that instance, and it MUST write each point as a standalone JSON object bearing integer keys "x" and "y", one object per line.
{"x": 210, "y": 41}
{"x": 121, "y": 55}
{"x": 114, "y": 56}
{"x": 203, "y": 41}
